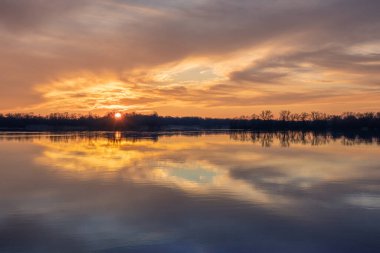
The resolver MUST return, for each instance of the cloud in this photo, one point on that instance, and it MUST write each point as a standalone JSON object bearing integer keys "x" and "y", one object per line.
{"x": 332, "y": 59}
{"x": 262, "y": 43}
{"x": 25, "y": 16}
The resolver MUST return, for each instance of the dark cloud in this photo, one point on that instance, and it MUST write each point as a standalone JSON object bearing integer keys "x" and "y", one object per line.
{"x": 25, "y": 16}
{"x": 254, "y": 76}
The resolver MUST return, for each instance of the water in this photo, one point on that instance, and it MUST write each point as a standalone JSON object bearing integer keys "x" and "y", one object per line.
{"x": 194, "y": 192}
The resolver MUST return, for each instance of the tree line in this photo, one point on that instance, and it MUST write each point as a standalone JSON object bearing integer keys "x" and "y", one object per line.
{"x": 265, "y": 121}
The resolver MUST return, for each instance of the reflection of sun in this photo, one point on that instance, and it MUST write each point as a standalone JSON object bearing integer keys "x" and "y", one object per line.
{"x": 117, "y": 115}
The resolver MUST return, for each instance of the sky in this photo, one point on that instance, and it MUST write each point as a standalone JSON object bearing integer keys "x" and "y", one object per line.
{"x": 210, "y": 58}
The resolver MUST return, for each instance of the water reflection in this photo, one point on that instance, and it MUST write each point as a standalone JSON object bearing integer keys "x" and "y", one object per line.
{"x": 266, "y": 139}
{"x": 285, "y": 139}
{"x": 189, "y": 192}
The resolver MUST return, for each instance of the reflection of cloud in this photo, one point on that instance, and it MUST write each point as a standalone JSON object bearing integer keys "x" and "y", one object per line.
{"x": 201, "y": 193}
{"x": 140, "y": 162}
{"x": 247, "y": 173}
{"x": 366, "y": 201}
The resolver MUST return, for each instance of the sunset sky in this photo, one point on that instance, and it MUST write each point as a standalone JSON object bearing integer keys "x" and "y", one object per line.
{"x": 218, "y": 58}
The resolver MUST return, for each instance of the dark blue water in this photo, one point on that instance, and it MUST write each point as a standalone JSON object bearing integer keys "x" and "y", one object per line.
{"x": 241, "y": 192}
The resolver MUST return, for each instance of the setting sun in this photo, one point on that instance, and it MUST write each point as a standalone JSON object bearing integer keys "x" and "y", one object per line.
{"x": 117, "y": 115}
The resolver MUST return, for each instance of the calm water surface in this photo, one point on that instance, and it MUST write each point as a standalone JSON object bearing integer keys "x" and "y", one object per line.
{"x": 220, "y": 192}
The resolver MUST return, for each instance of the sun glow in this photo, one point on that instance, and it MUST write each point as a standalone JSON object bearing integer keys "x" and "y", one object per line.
{"x": 117, "y": 115}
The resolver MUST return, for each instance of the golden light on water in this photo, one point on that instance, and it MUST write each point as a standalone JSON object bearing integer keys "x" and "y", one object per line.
{"x": 179, "y": 162}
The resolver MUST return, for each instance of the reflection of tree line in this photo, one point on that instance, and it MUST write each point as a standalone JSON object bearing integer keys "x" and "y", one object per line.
{"x": 112, "y": 137}
{"x": 266, "y": 139}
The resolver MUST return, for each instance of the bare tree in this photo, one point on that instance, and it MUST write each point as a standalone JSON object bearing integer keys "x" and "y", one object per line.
{"x": 317, "y": 116}
{"x": 348, "y": 115}
{"x": 295, "y": 117}
{"x": 255, "y": 116}
{"x": 304, "y": 116}
{"x": 284, "y": 115}
{"x": 266, "y": 115}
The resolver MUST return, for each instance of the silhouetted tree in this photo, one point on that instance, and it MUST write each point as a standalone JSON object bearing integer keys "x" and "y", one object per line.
{"x": 266, "y": 115}
{"x": 255, "y": 116}
{"x": 315, "y": 121}
{"x": 304, "y": 116}
{"x": 284, "y": 115}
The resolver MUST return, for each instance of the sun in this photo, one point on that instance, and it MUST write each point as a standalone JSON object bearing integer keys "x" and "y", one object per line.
{"x": 117, "y": 115}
